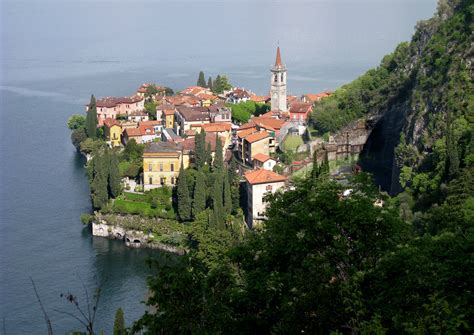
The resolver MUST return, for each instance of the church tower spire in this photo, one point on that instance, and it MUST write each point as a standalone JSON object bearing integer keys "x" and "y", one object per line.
{"x": 278, "y": 85}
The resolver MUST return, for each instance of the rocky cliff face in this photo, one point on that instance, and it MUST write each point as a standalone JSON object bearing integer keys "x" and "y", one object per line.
{"x": 429, "y": 110}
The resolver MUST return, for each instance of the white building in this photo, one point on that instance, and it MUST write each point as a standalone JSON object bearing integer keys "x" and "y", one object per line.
{"x": 278, "y": 87}
{"x": 260, "y": 183}
{"x": 262, "y": 161}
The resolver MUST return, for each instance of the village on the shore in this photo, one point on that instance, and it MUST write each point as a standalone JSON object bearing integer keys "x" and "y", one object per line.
{"x": 169, "y": 133}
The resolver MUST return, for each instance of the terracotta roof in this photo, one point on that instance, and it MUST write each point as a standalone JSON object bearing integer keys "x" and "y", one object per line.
{"x": 292, "y": 99}
{"x": 165, "y": 106}
{"x": 109, "y": 122}
{"x": 317, "y": 96}
{"x": 162, "y": 147}
{"x": 150, "y": 123}
{"x": 245, "y": 132}
{"x": 263, "y": 176}
{"x": 143, "y": 88}
{"x": 113, "y": 101}
{"x": 168, "y": 111}
{"x": 247, "y": 125}
{"x": 138, "y": 113}
{"x": 132, "y": 132}
{"x": 301, "y": 107}
{"x": 278, "y": 58}
{"x": 190, "y": 132}
{"x": 146, "y": 129}
{"x": 252, "y": 138}
{"x": 269, "y": 123}
{"x": 194, "y": 113}
{"x": 217, "y": 127}
{"x": 260, "y": 98}
{"x": 262, "y": 157}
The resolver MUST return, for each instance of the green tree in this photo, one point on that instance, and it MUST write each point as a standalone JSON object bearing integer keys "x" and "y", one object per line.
{"x": 184, "y": 202}
{"x": 77, "y": 137}
{"x": 150, "y": 108}
{"x": 217, "y": 85}
{"x": 201, "y": 80}
{"x": 91, "y": 119}
{"x": 132, "y": 152}
{"x": 199, "y": 195}
{"x": 115, "y": 186}
{"x": 199, "y": 149}
{"x": 151, "y": 91}
{"x": 217, "y": 198}
{"x": 218, "y": 158}
{"x": 209, "y": 83}
{"x": 119, "y": 323}
{"x": 76, "y": 121}
{"x": 228, "y": 204}
{"x": 208, "y": 154}
{"x": 99, "y": 181}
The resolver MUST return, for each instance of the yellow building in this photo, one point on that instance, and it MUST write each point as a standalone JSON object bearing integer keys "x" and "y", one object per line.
{"x": 256, "y": 143}
{"x": 113, "y": 132}
{"x": 169, "y": 118}
{"x": 161, "y": 164}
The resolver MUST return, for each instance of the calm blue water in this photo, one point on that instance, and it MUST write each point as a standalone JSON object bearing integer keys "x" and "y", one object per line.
{"x": 55, "y": 54}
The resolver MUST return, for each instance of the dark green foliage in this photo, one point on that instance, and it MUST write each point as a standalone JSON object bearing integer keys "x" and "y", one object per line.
{"x": 184, "y": 202}
{"x": 151, "y": 91}
{"x": 208, "y": 155}
{"x": 201, "y": 80}
{"x": 150, "y": 108}
{"x": 200, "y": 150}
{"x": 132, "y": 151}
{"x": 199, "y": 195}
{"x": 217, "y": 198}
{"x": 119, "y": 323}
{"x": 242, "y": 112}
{"x": 77, "y": 137}
{"x": 99, "y": 181}
{"x": 227, "y": 201}
{"x": 76, "y": 121}
{"x": 91, "y": 119}
{"x": 219, "y": 158}
{"x": 114, "y": 176}
{"x": 221, "y": 84}
{"x": 209, "y": 83}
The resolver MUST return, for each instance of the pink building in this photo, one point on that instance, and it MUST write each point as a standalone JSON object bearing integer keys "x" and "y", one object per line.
{"x": 110, "y": 107}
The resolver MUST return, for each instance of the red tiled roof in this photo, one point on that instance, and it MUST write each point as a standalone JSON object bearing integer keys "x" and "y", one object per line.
{"x": 245, "y": 132}
{"x": 301, "y": 107}
{"x": 263, "y": 177}
{"x": 150, "y": 123}
{"x": 113, "y": 101}
{"x": 262, "y": 157}
{"x": 260, "y": 98}
{"x": 247, "y": 125}
{"x": 217, "y": 127}
{"x": 132, "y": 132}
{"x": 268, "y": 123}
{"x": 109, "y": 122}
{"x": 278, "y": 58}
{"x": 252, "y": 138}
{"x": 317, "y": 96}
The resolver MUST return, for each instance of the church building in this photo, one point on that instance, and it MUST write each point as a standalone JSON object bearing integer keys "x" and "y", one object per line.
{"x": 278, "y": 85}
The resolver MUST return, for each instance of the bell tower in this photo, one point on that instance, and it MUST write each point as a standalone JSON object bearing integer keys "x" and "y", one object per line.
{"x": 278, "y": 85}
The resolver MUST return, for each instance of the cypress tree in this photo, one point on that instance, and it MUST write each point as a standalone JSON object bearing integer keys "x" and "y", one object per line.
{"x": 199, "y": 195}
{"x": 227, "y": 195}
{"x": 208, "y": 155}
{"x": 201, "y": 79}
{"x": 99, "y": 182}
{"x": 209, "y": 83}
{"x": 316, "y": 169}
{"x": 114, "y": 176}
{"x": 217, "y": 85}
{"x": 184, "y": 203}
{"x": 324, "y": 169}
{"x": 217, "y": 201}
{"x": 91, "y": 119}
{"x": 218, "y": 158}
{"x": 199, "y": 151}
{"x": 119, "y": 323}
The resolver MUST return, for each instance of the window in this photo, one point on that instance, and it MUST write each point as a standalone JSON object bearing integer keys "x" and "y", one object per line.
{"x": 150, "y": 168}
{"x": 150, "y": 180}
{"x": 282, "y": 77}
{"x": 172, "y": 180}
{"x": 276, "y": 78}
{"x": 161, "y": 167}
{"x": 172, "y": 167}
{"x": 162, "y": 180}
{"x": 269, "y": 188}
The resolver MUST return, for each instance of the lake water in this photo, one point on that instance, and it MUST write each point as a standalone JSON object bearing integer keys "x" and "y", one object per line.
{"x": 55, "y": 54}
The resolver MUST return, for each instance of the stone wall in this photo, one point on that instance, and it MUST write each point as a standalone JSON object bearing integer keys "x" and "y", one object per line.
{"x": 131, "y": 238}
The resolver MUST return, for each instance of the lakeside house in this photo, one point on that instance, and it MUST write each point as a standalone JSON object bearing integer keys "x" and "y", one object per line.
{"x": 259, "y": 183}
{"x": 111, "y": 107}
{"x": 161, "y": 163}
{"x": 113, "y": 132}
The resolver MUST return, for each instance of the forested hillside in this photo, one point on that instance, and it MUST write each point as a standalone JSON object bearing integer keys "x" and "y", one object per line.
{"x": 364, "y": 262}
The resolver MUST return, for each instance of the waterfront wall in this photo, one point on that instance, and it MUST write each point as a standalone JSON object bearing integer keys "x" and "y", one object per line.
{"x": 131, "y": 238}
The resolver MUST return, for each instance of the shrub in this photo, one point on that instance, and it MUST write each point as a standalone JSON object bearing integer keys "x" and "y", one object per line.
{"x": 86, "y": 218}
